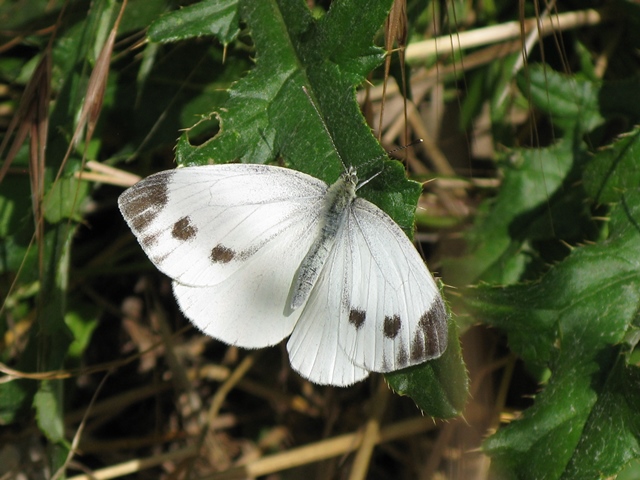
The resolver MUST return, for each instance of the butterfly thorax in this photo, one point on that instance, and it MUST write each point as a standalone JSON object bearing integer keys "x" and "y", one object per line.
{"x": 338, "y": 198}
{"x": 337, "y": 201}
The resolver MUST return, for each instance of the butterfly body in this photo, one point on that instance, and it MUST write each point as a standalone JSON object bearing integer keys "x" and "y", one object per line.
{"x": 337, "y": 200}
{"x": 258, "y": 253}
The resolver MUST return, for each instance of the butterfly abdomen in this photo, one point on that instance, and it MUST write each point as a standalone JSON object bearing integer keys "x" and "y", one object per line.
{"x": 336, "y": 203}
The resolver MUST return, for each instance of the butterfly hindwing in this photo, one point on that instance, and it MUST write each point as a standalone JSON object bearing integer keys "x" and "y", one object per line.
{"x": 248, "y": 308}
{"x": 314, "y": 350}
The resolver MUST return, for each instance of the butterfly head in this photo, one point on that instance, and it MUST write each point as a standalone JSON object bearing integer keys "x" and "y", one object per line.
{"x": 350, "y": 176}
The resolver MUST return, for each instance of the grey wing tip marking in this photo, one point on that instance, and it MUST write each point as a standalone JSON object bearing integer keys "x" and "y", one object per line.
{"x": 430, "y": 339}
{"x": 141, "y": 204}
{"x": 434, "y": 325}
{"x": 148, "y": 241}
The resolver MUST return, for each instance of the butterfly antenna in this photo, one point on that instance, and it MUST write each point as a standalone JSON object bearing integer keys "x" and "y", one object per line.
{"x": 402, "y": 147}
{"x": 324, "y": 125}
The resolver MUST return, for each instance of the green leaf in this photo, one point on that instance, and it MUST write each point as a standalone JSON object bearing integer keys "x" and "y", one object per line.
{"x": 614, "y": 170}
{"x": 573, "y": 321}
{"x": 210, "y": 17}
{"x": 571, "y": 101}
{"x": 578, "y": 104}
{"x": 81, "y": 321}
{"x": 63, "y": 200}
{"x": 535, "y": 200}
{"x": 48, "y": 404}
{"x": 139, "y": 14}
{"x": 611, "y": 436}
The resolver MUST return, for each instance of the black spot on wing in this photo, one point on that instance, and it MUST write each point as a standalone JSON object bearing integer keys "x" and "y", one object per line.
{"x": 141, "y": 204}
{"x": 183, "y": 229}
{"x": 357, "y": 318}
{"x": 391, "y": 326}
{"x": 222, "y": 254}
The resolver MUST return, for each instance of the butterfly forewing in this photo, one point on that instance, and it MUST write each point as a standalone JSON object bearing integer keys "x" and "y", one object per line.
{"x": 393, "y": 314}
{"x": 231, "y": 237}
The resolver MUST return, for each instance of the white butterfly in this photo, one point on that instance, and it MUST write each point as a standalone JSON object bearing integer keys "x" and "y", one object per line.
{"x": 258, "y": 253}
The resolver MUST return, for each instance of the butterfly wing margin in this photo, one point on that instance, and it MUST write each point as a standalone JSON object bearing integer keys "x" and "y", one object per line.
{"x": 199, "y": 225}
{"x": 394, "y": 315}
